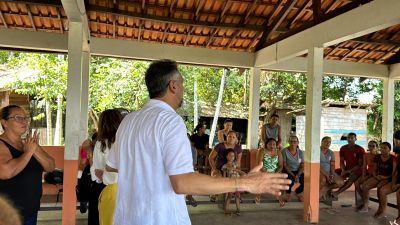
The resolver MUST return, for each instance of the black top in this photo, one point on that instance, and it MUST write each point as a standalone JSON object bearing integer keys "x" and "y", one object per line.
{"x": 200, "y": 142}
{"x": 25, "y": 189}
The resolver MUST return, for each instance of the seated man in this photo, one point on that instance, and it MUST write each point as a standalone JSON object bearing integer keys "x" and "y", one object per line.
{"x": 328, "y": 179}
{"x": 351, "y": 161}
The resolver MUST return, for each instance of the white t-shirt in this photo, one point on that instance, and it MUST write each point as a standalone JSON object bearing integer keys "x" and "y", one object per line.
{"x": 151, "y": 145}
{"x": 99, "y": 162}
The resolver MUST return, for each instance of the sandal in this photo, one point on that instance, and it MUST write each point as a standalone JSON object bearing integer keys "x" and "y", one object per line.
{"x": 257, "y": 200}
{"x": 237, "y": 213}
{"x": 213, "y": 198}
{"x": 281, "y": 203}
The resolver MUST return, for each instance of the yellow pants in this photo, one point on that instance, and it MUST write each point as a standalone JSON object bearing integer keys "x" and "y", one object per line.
{"x": 107, "y": 204}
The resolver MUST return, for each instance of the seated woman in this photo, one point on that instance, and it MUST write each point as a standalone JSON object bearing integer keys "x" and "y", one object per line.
{"x": 217, "y": 156}
{"x": 386, "y": 188}
{"x": 270, "y": 161}
{"x": 293, "y": 163}
{"x": 368, "y": 164}
{"x": 329, "y": 180}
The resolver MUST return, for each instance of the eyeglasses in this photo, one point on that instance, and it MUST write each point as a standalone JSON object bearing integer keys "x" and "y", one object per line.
{"x": 20, "y": 119}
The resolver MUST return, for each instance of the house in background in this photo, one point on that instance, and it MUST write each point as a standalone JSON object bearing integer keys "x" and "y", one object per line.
{"x": 337, "y": 120}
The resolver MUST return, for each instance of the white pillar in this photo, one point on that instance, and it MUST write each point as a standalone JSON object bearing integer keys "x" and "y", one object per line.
{"x": 388, "y": 110}
{"x": 313, "y": 127}
{"x": 217, "y": 108}
{"x": 85, "y": 96}
{"x": 74, "y": 91}
{"x": 254, "y": 109}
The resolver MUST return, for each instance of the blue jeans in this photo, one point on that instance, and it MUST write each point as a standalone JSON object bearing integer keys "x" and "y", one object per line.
{"x": 31, "y": 219}
{"x": 300, "y": 189}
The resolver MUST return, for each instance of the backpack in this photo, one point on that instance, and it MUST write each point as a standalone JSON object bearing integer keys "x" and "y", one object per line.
{"x": 84, "y": 185}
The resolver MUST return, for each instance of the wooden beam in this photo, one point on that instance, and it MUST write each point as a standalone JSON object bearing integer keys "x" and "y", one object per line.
{"x": 61, "y": 22}
{"x": 330, "y": 7}
{"x": 317, "y": 12}
{"x": 140, "y": 30}
{"x": 249, "y": 11}
{"x": 165, "y": 32}
{"x": 376, "y": 41}
{"x": 211, "y": 37}
{"x": 223, "y": 11}
{"x": 2, "y": 19}
{"x": 188, "y": 35}
{"x": 164, "y": 19}
{"x": 278, "y": 20}
{"x": 299, "y": 12}
{"x": 199, "y": 6}
{"x": 325, "y": 17}
{"x": 30, "y": 17}
{"x": 233, "y": 38}
{"x": 171, "y": 7}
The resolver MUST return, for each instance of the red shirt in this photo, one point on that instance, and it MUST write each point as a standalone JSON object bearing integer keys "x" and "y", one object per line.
{"x": 351, "y": 158}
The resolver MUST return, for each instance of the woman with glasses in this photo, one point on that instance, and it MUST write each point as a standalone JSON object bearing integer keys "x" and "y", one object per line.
{"x": 22, "y": 162}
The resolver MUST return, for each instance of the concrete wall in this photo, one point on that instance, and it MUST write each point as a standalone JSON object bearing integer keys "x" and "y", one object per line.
{"x": 335, "y": 122}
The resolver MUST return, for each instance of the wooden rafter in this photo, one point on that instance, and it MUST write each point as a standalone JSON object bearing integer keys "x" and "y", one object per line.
{"x": 223, "y": 11}
{"x": 114, "y": 27}
{"x": 330, "y": 6}
{"x": 332, "y": 49}
{"x": 249, "y": 11}
{"x": 188, "y": 35}
{"x": 61, "y": 22}
{"x": 143, "y": 5}
{"x": 325, "y": 17}
{"x": 199, "y": 6}
{"x": 158, "y": 31}
{"x": 317, "y": 12}
{"x": 256, "y": 37}
{"x": 165, "y": 33}
{"x": 30, "y": 17}
{"x": 299, "y": 13}
{"x": 164, "y": 19}
{"x": 140, "y": 30}
{"x": 211, "y": 37}
{"x": 233, "y": 39}
{"x": 369, "y": 53}
{"x": 3, "y": 20}
{"x": 350, "y": 52}
{"x": 171, "y": 7}
{"x": 392, "y": 50}
{"x": 275, "y": 24}
{"x": 377, "y": 41}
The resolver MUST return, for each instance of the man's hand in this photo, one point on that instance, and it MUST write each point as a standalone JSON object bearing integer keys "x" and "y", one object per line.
{"x": 259, "y": 182}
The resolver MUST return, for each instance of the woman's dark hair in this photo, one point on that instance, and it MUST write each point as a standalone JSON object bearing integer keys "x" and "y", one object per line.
{"x": 269, "y": 140}
{"x": 158, "y": 76}
{"x": 234, "y": 132}
{"x": 228, "y": 121}
{"x": 387, "y": 144}
{"x": 198, "y": 127}
{"x": 274, "y": 115}
{"x": 6, "y": 111}
{"x": 108, "y": 125}
{"x": 374, "y": 142}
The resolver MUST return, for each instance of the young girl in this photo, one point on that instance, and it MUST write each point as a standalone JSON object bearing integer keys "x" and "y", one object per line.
{"x": 230, "y": 169}
{"x": 269, "y": 160}
{"x": 382, "y": 174}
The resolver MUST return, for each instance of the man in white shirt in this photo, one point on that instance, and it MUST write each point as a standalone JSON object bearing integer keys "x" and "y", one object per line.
{"x": 153, "y": 158}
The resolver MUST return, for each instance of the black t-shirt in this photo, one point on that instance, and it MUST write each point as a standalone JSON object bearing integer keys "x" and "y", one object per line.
{"x": 25, "y": 189}
{"x": 200, "y": 142}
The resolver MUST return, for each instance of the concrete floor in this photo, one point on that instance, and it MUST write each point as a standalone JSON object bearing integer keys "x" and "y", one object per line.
{"x": 265, "y": 214}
